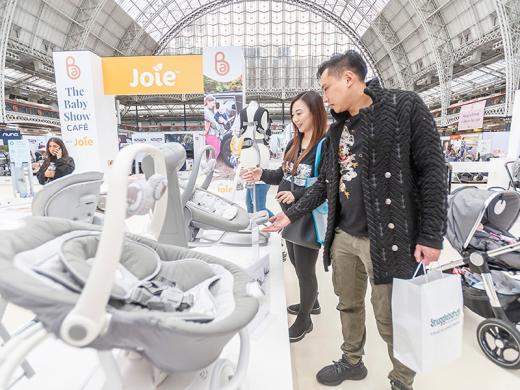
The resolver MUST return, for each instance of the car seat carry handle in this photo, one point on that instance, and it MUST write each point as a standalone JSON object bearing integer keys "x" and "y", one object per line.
{"x": 189, "y": 189}
{"x": 88, "y": 318}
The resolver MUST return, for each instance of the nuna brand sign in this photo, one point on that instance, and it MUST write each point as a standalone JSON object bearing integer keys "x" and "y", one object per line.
{"x": 152, "y": 75}
{"x": 7, "y": 135}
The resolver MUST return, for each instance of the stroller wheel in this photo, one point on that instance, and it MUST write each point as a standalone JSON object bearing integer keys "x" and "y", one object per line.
{"x": 500, "y": 341}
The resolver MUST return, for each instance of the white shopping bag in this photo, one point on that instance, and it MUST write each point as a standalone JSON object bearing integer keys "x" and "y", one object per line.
{"x": 427, "y": 316}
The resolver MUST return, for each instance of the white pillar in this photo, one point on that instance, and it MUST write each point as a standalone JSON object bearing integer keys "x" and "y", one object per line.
{"x": 514, "y": 136}
{"x": 87, "y": 116}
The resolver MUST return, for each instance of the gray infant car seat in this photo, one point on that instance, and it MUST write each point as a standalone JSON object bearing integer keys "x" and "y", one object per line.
{"x": 73, "y": 197}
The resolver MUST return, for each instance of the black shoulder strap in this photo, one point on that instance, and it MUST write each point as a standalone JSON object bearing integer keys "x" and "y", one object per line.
{"x": 243, "y": 121}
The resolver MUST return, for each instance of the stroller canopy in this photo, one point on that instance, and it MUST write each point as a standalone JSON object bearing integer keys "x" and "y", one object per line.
{"x": 468, "y": 207}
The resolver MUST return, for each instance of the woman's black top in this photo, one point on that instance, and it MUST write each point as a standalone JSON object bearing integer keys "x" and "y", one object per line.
{"x": 64, "y": 166}
{"x": 288, "y": 182}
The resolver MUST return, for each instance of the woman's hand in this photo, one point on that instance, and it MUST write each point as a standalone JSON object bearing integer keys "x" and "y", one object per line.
{"x": 251, "y": 175}
{"x": 59, "y": 154}
{"x": 285, "y": 197}
{"x": 49, "y": 174}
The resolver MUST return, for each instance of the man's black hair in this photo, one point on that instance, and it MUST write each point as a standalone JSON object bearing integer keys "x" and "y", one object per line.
{"x": 350, "y": 60}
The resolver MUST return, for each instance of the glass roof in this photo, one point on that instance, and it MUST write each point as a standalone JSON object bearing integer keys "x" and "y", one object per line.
{"x": 284, "y": 44}
{"x": 158, "y": 16}
{"x": 485, "y": 76}
{"x": 28, "y": 81}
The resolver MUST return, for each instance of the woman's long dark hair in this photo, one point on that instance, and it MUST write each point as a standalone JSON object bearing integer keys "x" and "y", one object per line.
{"x": 316, "y": 107}
{"x": 50, "y": 157}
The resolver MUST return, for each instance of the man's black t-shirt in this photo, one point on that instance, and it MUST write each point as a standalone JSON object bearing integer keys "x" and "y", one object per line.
{"x": 353, "y": 218}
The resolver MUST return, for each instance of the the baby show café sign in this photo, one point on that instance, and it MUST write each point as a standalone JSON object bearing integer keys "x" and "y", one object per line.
{"x": 87, "y": 85}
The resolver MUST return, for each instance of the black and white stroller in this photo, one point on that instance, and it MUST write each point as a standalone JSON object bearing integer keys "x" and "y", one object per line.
{"x": 513, "y": 171}
{"x": 5, "y": 169}
{"x": 478, "y": 228}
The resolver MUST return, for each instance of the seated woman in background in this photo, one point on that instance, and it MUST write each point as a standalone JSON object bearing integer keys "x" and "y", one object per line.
{"x": 57, "y": 162}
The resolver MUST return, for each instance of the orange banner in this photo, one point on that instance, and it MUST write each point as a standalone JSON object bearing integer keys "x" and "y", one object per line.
{"x": 154, "y": 75}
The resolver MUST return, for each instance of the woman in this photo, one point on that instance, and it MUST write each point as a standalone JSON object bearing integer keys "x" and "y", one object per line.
{"x": 309, "y": 121}
{"x": 213, "y": 129}
{"x": 57, "y": 162}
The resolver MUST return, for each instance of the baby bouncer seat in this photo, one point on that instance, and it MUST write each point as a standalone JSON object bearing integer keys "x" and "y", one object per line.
{"x": 93, "y": 286}
{"x": 73, "y": 197}
{"x": 200, "y": 209}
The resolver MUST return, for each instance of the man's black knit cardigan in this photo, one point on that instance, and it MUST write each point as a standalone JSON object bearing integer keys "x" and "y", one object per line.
{"x": 403, "y": 179}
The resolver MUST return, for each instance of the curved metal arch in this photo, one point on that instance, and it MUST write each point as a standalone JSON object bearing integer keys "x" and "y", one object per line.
{"x": 307, "y": 4}
{"x": 429, "y": 15}
{"x": 85, "y": 18}
{"x": 135, "y": 32}
{"x": 7, "y": 8}
{"x": 510, "y": 36}
{"x": 132, "y": 36}
{"x": 37, "y": 25}
{"x": 391, "y": 43}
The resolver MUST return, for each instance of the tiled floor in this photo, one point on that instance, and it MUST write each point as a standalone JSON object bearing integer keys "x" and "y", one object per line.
{"x": 473, "y": 371}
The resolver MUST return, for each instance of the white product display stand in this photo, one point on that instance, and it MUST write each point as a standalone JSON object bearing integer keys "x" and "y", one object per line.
{"x": 495, "y": 168}
{"x": 269, "y": 362}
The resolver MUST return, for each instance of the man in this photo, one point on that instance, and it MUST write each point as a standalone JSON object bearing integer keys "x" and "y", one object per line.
{"x": 384, "y": 177}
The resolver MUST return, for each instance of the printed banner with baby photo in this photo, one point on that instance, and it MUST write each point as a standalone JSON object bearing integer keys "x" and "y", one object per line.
{"x": 224, "y": 97}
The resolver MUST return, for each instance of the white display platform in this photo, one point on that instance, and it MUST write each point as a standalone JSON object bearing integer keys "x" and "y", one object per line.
{"x": 495, "y": 167}
{"x": 270, "y": 361}
{"x": 61, "y": 367}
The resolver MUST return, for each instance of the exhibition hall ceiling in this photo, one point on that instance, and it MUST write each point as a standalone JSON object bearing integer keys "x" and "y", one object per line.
{"x": 406, "y": 42}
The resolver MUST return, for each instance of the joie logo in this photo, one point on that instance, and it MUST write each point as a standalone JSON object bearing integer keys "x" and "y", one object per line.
{"x": 223, "y": 189}
{"x": 445, "y": 319}
{"x": 221, "y": 65}
{"x": 148, "y": 79}
{"x": 85, "y": 141}
{"x": 73, "y": 71}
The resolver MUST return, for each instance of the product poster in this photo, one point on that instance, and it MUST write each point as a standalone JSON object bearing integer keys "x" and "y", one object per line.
{"x": 223, "y": 101}
{"x": 21, "y": 171}
{"x": 37, "y": 143}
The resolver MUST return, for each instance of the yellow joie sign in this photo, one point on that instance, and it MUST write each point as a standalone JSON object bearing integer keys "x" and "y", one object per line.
{"x": 153, "y": 75}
